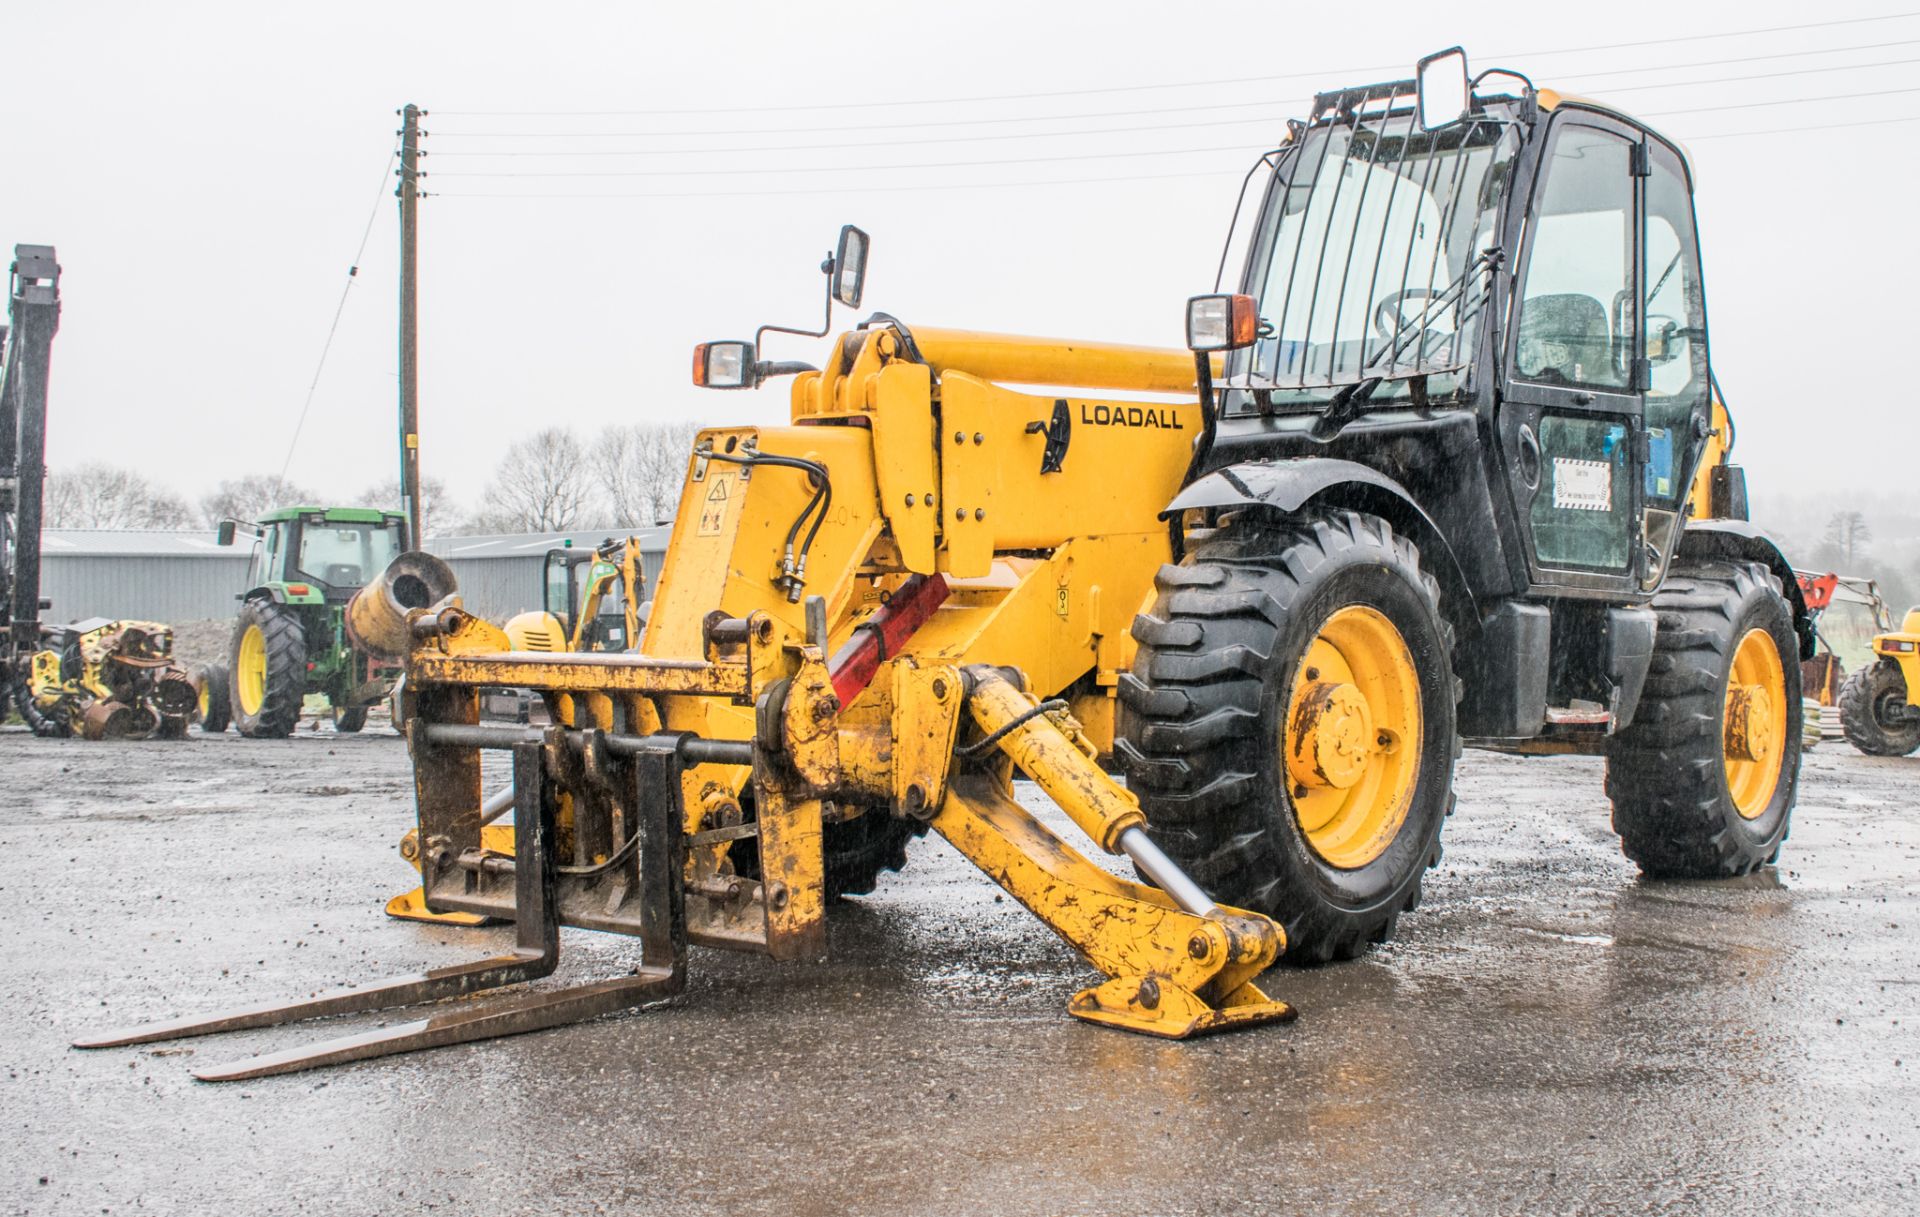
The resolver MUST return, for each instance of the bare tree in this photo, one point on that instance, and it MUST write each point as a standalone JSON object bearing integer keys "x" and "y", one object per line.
{"x": 250, "y": 497}
{"x": 640, "y": 470}
{"x": 1845, "y": 542}
{"x": 98, "y": 495}
{"x": 541, "y": 485}
{"x": 436, "y": 505}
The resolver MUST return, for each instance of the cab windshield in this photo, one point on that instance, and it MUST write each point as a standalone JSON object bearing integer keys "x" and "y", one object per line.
{"x": 1374, "y": 257}
{"x": 346, "y": 555}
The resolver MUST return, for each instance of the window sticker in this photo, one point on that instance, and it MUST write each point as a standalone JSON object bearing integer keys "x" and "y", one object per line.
{"x": 1582, "y": 485}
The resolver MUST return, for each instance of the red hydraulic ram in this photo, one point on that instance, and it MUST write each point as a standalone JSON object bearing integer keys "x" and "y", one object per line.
{"x": 853, "y": 665}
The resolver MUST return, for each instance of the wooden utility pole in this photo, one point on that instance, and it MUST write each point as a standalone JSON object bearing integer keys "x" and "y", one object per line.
{"x": 409, "y": 193}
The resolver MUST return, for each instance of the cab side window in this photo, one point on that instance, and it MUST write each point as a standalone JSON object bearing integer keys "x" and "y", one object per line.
{"x": 1676, "y": 326}
{"x": 1577, "y": 314}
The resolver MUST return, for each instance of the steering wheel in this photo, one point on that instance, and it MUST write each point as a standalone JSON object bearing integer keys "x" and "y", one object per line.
{"x": 1389, "y": 320}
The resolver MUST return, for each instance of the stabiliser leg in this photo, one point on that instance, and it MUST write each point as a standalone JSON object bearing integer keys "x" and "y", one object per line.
{"x": 663, "y": 947}
{"x": 1178, "y": 964}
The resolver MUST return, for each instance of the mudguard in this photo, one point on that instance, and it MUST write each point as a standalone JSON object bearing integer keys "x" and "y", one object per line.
{"x": 1740, "y": 541}
{"x": 1287, "y": 485}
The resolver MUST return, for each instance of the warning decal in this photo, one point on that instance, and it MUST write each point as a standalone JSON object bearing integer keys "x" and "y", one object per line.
{"x": 713, "y": 513}
{"x": 1582, "y": 485}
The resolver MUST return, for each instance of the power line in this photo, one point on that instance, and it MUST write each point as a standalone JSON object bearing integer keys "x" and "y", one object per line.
{"x": 874, "y": 143}
{"x": 1715, "y": 63}
{"x": 1277, "y": 105}
{"x": 353, "y": 273}
{"x": 942, "y": 186}
{"x": 1141, "y": 88}
{"x": 1031, "y": 160}
{"x": 1784, "y": 101}
{"x": 1131, "y": 130}
{"x": 1865, "y": 122}
{"x": 951, "y": 187}
{"x": 945, "y": 122}
{"x": 1721, "y": 80}
{"x": 1772, "y": 29}
{"x": 1015, "y": 160}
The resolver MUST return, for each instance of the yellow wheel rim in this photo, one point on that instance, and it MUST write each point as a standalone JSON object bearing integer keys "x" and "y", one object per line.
{"x": 206, "y": 698}
{"x": 1754, "y": 722}
{"x": 1350, "y": 747}
{"x": 250, "y": 670}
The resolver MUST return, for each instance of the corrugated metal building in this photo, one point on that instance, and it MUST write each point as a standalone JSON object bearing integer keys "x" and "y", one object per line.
{"x": 149, "y": 576}
{"x": 185, "y": 576}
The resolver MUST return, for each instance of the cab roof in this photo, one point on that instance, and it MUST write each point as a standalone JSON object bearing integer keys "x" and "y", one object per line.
{"x": 334, "y": 515}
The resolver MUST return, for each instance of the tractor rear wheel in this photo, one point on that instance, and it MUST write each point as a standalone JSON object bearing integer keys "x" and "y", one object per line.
{"x": 268, "y": 663}
{"x": 349, "y": 719}
{"x": 1703, "y": 779}
{"x": 855, "y": 852}
{"x": 1289, "y": 724}
{"x": 216, "y": 705}
{"x": 1874, "y": 714}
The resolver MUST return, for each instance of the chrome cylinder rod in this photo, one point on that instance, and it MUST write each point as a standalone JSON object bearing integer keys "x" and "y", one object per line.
{"x": 1166, "y": 873}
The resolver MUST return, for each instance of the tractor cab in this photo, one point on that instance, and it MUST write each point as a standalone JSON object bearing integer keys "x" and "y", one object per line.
{"x": 321, "y": 555}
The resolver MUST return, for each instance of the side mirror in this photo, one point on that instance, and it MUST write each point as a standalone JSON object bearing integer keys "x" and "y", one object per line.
{"x": 1221, "y": 323}
{"x": 849, "y": 267}
{"x": 1442, "y": 91}
{"x": 724, "y": 365}
{"x": 1663, "y": 339}
{"x": 223, "y": 535}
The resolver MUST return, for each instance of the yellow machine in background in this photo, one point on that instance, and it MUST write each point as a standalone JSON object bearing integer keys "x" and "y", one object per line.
{"x": 1880, "y": 704}
{"x": 573, "y": 616}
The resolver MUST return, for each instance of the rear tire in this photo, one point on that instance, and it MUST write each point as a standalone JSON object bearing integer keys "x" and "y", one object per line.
{"x": 349, "y": 720}
{"x": 216, "y": 706}
{"x": 267, "y": 666}
{"x": 1690, "y": 798}
{"x": 1864, "y": 701}
{"x": 1219, "y": 707}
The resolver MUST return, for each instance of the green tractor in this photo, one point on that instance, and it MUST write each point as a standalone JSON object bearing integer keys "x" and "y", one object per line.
{"x": 290, "y": 639}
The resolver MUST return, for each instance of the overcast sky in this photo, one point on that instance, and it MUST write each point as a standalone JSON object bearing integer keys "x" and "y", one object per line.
{"x": 207, "y": 172}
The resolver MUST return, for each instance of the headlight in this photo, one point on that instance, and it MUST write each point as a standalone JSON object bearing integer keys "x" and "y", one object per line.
{"x": 1221, "y": 323}
{"x": 723, "y": 365}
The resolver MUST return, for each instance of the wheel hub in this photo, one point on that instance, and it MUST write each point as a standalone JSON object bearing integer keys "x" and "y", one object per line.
{"x": 1333, "y": 738}
{"x": 1750, "y": 726}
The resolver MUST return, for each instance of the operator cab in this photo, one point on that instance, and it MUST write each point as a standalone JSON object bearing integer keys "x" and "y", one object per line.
{"x": 1531, "y": 259}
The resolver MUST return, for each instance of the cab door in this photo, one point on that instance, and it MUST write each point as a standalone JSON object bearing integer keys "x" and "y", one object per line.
{"x": 1574, "y": 398}
{"x": 1678, "y": 400}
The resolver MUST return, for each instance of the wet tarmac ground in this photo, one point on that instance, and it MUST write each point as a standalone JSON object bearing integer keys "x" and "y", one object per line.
{"x": 1548, "y": 1034}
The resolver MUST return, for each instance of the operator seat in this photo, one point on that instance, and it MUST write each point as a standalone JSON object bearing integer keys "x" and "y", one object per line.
{"x": 1565, "y": 339}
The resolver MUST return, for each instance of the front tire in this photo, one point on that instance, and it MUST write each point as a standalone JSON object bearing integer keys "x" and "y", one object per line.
{"x": 267, "y": 666}
{"x": 1869, "y": 705}
{"x": 1289, "y": 724}
{"x": 1703, "y": 780}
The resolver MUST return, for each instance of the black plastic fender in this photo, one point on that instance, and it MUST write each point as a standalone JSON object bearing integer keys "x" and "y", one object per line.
{"x": 1285, "y": 486}
{"x": 1740, "y": 541}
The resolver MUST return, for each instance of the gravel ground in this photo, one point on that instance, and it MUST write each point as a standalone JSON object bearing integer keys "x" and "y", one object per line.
{"x": 1550, "y": 1033}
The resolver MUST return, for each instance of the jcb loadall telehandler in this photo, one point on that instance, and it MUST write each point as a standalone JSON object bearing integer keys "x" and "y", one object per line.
{"x": 1459, "y": 471}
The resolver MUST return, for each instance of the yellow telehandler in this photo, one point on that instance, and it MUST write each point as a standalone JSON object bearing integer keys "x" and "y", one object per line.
{"x": 1444, "y": 463}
